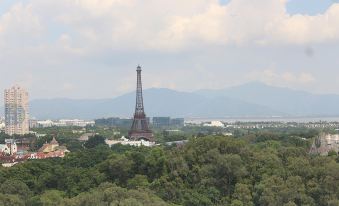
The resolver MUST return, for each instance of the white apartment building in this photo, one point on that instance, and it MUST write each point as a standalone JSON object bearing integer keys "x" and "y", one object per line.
{"x": 16, "y": 111}
{"x": 61, "y": 123}
{"x": 73, "y": 122}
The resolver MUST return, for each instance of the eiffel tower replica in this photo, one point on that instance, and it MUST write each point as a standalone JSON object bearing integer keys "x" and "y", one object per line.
{"x": 140, "y": 129}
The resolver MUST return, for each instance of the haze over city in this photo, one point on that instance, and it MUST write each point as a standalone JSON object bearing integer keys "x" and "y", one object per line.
{"x": 89, "y": 49}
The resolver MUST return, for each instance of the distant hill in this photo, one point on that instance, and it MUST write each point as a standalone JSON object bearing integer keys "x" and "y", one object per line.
{"x": 292, "y": 102}
{"x": 158, "y": 102}
{"x": 248, "y": 100}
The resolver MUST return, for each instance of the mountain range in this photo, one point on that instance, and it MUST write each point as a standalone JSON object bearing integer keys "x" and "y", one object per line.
{"x": 249, "y": 100}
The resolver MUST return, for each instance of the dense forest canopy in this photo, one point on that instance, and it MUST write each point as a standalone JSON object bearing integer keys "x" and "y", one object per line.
{"x": 261, "y": 168}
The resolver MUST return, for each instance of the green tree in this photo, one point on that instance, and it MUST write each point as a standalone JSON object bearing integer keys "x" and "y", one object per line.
{"x": 118, "y": 168}
{"x": 15, "y": 187}
{"x": 109, "y": 194}
{"x": 242, "y": 193}
{"x": 52, "y": 198}
{"x": 95, "y": 141}
{"x": 11, "y": 200}
{"x": 138, "y": 181}
{"x": 332, "y": 153}
{"x": 290, "y": 204}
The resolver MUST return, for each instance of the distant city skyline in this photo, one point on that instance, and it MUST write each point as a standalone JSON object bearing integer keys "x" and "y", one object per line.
{"x": 89, "y": 49}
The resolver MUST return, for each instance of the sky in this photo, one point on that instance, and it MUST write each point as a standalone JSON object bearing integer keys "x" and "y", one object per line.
{"x": 90, "y": 48}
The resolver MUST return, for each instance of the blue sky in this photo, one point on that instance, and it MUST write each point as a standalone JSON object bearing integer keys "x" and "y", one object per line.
{"x": 89, "y": 49}
{"x": 6, "y": 4}
{"x": 310, "y": 7}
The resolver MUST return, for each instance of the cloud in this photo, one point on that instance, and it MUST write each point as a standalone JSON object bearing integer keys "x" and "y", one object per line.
{"x": 19, "y": 26}
{"x": 306, "y": 78}
{"x": 136, "y": 24}
{"x": 96, "y": 25}
{"x": 303, "y": 29}
{"x": 272, "y": 76}
{"x": 95, "y": 44}
{"x": 67, "y": 86}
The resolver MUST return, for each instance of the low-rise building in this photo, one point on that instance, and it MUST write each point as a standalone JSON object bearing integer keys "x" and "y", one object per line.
{"x": 86, "y": 136}
{"x": 49, "y": 147}
{"x": 177, "y": 143}
{"x": 61, "y": 123}
{"x": 9, "y": 148}
{"x": 33, "y": 123}
{"x": 43, "y": 155}
{"x": 45, "y": 123}
{"x": 48, "y": 150}
{"x": 4, "y": 149}
{"x": 214, "y": 124}
{"x": 74, "y": 123}
{"x": 125, "y": 141}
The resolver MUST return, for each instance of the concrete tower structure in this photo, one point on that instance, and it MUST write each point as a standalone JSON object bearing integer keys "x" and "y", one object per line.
{"x": 16, "y": 111}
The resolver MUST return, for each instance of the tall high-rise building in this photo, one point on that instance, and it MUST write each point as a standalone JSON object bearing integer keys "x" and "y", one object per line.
{"x": 16, "y": 111}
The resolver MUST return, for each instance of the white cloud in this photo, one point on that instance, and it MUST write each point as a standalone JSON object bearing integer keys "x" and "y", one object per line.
{"x": 170, "y": 25}
{"x": 81, "y": 41}
{"x": 19, "y": 26}
{"x": 302, "y": 29}
{"x": 306, "y": 78}
{"x": 274, "y": 77}
{"x": 177, "y": 25}
{"x": 67, "y": 86}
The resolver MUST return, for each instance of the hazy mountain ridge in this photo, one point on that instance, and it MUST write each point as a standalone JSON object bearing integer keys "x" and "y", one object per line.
{"x": 248, "y": 100}
{"x": 292, "y": 102}
{"x": 158, "y": 102}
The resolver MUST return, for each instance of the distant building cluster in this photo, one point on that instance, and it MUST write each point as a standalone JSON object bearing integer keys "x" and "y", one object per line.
{"x": 114, "y": 122}
{"x": 16, "y": 122}
{"x": 325, "y": 143}
{"x": 263, "y": 125}
{"x": 167, "y": 122}
{"x": 11, "y": 153}
{"x": 155, "y": 122}
{"x": 60, "y": 123}
{"x": 16, "y": 111}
